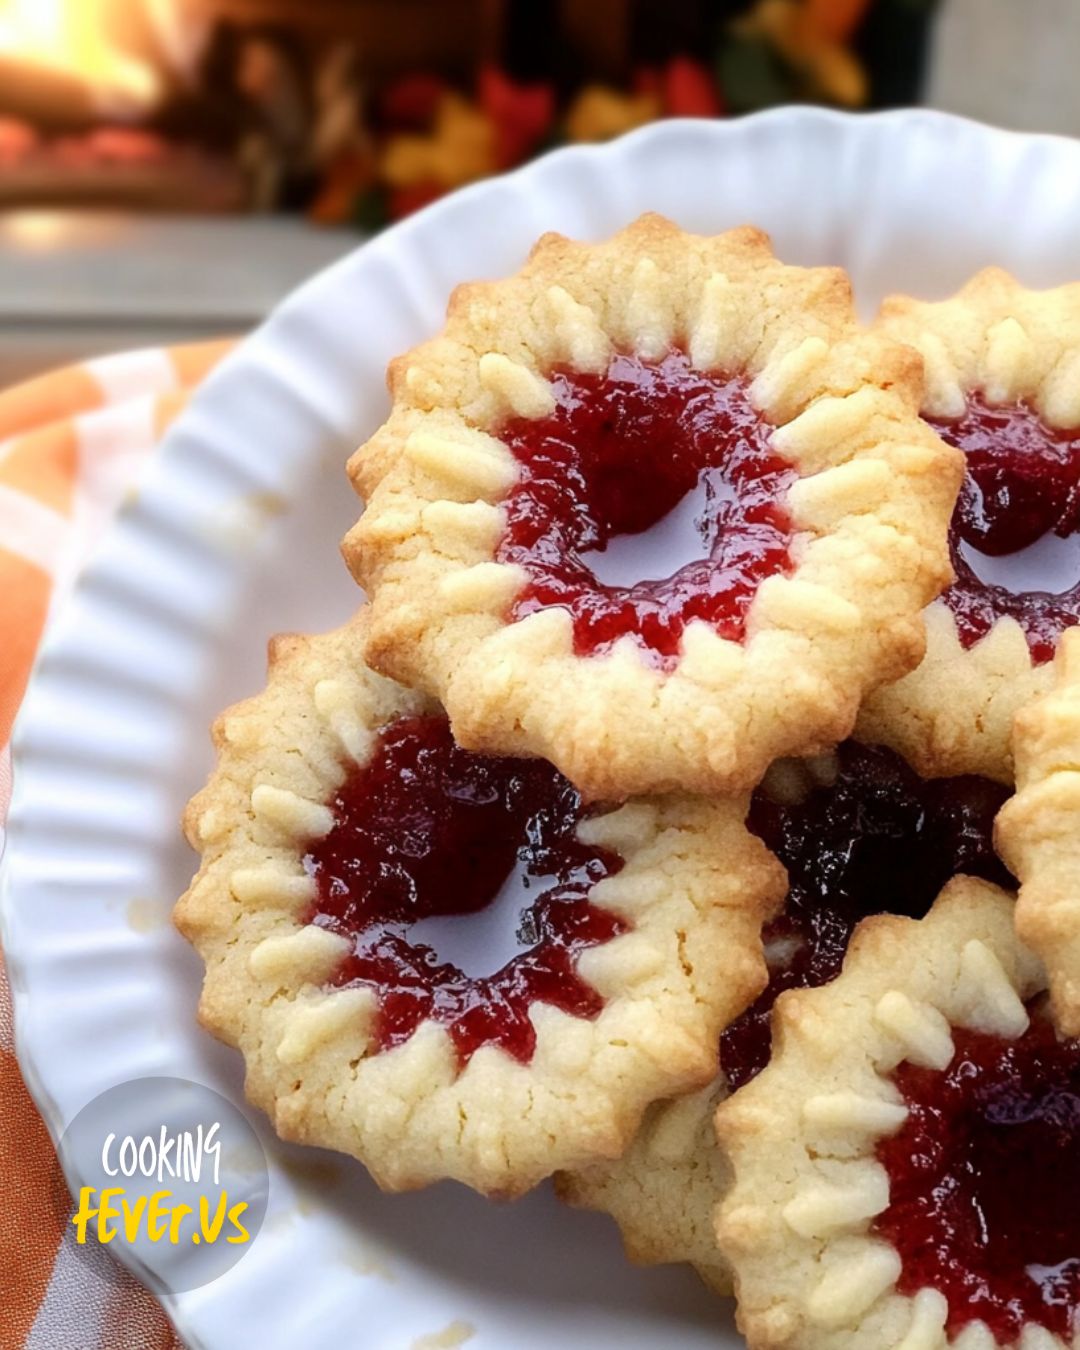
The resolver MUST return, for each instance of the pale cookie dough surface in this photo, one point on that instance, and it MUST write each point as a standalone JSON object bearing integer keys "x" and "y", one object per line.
{"x": 954, "y": 713}
{"x": 664, "y": 1189}
{"x": 869, "y": 509}
{"x": 694, "y": 889}
{"x": 1038, "y": 831}
{"x": 796, "y": 1225}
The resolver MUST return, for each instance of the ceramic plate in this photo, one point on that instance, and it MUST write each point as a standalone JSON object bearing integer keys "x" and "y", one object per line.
{"x": 233, "y": 536}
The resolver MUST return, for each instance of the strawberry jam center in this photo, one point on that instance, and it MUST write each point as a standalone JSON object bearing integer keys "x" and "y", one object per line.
{"x": 428, "y": 836}
{"x": 877, "y": 840}
{"x": 984, "y": 1178}
{"x": 649, "y": 498}
{"x": 1015, "y": 533}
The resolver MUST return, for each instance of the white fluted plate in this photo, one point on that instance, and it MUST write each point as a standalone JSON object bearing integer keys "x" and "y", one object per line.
{"x": 170, "y": 620}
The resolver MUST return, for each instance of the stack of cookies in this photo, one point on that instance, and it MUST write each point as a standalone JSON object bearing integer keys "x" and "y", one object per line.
{"x": 692, "y": 813}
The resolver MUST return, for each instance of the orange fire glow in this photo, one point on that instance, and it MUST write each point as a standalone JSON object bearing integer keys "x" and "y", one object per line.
{"x": 82, "y": 39}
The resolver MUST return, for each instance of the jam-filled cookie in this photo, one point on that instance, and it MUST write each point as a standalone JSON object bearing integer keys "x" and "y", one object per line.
{"x": 1003, "y": 385}
{"x": 906, "y": 1168}
{"x": 442, "y": 962}
{"x": 859, "y": 833}
{"x": 1038, "y": 831}
{"x": 654, "y": 509}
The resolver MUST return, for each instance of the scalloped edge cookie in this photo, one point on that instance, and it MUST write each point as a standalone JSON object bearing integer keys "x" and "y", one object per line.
{"x": 954, "y": 713}
{"x": 696, "y": 886}
{"x": 802, "y": 1136}
{"x": 1038, "y": 831}
{"x": 870, "y": 509}
{"x": 664, "y": 1189}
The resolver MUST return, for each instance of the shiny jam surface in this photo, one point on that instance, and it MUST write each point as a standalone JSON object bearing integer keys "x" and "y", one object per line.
{"x": 672, "y": 456}
{"x": 985, "y": 1181}
{"x": 877, "y": 840}
{"x": 428, "y": 831}
{"x": 1015, "y": 534}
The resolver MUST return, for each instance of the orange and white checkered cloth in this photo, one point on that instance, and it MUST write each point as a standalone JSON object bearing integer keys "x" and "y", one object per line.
{"x": 71, "y": 445}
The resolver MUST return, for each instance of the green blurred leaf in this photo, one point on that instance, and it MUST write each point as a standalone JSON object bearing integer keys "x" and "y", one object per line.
{"x": 751, "y": 77}
{"x": 369, "y": 211}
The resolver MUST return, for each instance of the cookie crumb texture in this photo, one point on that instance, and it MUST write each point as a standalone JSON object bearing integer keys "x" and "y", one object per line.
{"x": 884, "y": 1156}
{"x": 1038, "y": 831}
{"x": 655, "y": 510}
{"x": 664, "y": 1189}
{"x": 444, "y": 963}
{"x": 1002, "y": 367}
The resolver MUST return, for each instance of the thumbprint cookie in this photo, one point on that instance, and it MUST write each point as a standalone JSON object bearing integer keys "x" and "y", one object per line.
{"x": 444, "y": 963}
{"x": 1003, "y": 386}
{"x": 906, "y": 1167}
{"x": 859, "y": 833}
{"x": 655, "y": 510}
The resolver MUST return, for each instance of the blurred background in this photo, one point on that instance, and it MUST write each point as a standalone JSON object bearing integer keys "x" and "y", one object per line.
{"x": 169, "y": 168}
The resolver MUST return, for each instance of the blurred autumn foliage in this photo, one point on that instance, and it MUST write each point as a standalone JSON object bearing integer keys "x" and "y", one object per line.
{"x": 430, "y": 135}
{"x": 361, "y": 111}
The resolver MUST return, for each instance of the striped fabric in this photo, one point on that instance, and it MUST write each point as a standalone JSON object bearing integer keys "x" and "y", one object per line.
{"x": 71, "y": 446}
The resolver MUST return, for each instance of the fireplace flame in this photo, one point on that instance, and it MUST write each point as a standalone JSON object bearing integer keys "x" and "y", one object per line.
{"x": 82, "y": 39}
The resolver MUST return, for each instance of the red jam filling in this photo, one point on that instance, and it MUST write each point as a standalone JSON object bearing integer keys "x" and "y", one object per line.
{"x": 1015, "y": 534}
{"x": 985, "y": 1180}
{"x": 878, "y": 840}
{"x": 426, "y": 831}
{"x": 649, "y": 498}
